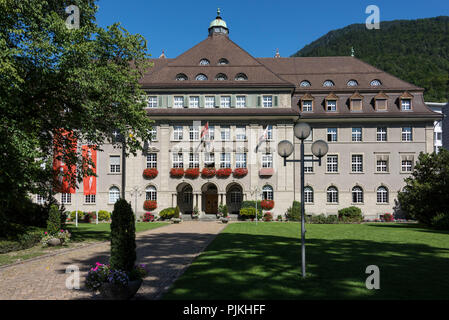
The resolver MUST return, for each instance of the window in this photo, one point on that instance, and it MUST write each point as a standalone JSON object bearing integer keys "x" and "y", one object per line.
{"x": 178, "y": 161}
{"x": 152, "y": 160}
{"x": 177, "y": 133}
{"x": 308, "y": 195}
{"x": 267, "y": 101}
{"x": 209, "y": 102}
{"x": 357, "y": 163}
{"x": 381, "y": 104}
{"x": 407, "y": 134}
{"x": 406, "y": 104}
{"x": 210, "y": 135}
{"x": 152, "y": 102}
{"x": 270, "y": 133}
{"x": 240, "y": 160}
{"x": 310, "y": 137}
{"x": 194, "y": 102}
{"x": 114, "y": 164}
{"x": 66, "y": 198}
{"x": 181, "y": 77}
{"x": 241, "y": 101}
{"x": 352, "y": 83}
{"x": 225, "y": 102}
{"x": 308, "y": 165}
{"x": 204, "y": 62}
{"x": 328, "y": 83}
{"x": 267, "y": 193}
{"x": 356, "y": 104}
{"x": 307, "y": 105}
{"x": 194, "y": 133}
{"x": 331, "y": 105}
{"x": 240, "y": 133}
{"x": 151, "y": 193}
{"x": 332, "y": 195}
{"x": 223, "y": 61}
{"x": 241, "y": 77}
{"x": 153, "y": 133}
{"x": 89, "y": 198}
{"x": 267, "y": 160}
{"x": 221, "y": 77}
{"x": 225, "y": 133}
{"x": 236, "y": 196}
{"x": 382, "y": 134}
{"x": 201, "y": 77}
{"x": 406, "y": 165}
{"x": 187, "y": 195}
{"x": 382, "y": 195}
{"x": 225, "y": 160}
{"x": 114, "y": 194}
{"x": 209, "y": 160}
{"x": 332, "y": 163}
{"x": 375, "y": 83}
{"x": 194, "y": 160}
{"x": 331, "y": 134}
{"x": 304, "y": 83}
{"x": 40, "y": 199}
{"x": 356, "y": 134}
{"x": 382, "y": 164}
{"x": 357, "y": 195}
{"x": 178, "y": 102}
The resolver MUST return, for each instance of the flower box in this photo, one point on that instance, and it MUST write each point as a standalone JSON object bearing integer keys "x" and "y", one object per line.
{"x": 192, "y": 172}
{"x": 208, "y": 172}
{"x": 264, "y": 172}
{"x": 224, "y": 172}
{"x": 150, "y": 205}
{"x": 240, "y": 172}
{"x": 177, "y": 172}
{"x": 150, "y": 173}
{"x": 267, "y": 204}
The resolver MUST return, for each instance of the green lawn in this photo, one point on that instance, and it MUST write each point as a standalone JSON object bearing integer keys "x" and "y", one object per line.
{"x": 246, "y": 261}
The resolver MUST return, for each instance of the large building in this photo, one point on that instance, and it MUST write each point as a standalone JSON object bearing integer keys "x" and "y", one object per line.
{"x": 440, "y": 126}
{"x": 375, "y": 124}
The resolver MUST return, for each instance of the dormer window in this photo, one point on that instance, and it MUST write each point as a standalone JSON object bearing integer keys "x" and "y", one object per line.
{"x": 221, "y": 77}
{"x": 381, "y": 102}
{"x": 405, "y": 101}
{"x": 355, "y": 102}
{"x": 352, "y": 83}
{"x": 375, "y": 83}
{"x": 223, "y": 61}
{"x": 304, "y": 83}
{"x": 201, "y": 77}
{"x": 204, "y": 62}
{"x": 307, "y": 103}
{"x": 241, "y": 77}
{"x": 328, "y": 83}
{"x": 181, "y": 77}
{"x": 331, "y": 103}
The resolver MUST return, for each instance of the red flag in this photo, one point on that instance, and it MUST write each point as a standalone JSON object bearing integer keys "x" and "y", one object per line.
{"x": 59, "y": 167}
{"x": 205, "y": 130}
{"x": 90, "y": 182}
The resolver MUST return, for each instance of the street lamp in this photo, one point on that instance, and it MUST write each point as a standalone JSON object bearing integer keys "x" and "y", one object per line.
{"x": 135, "y": 192}
{"x": 319, "y": 149}
{"x": 256, "y": 191}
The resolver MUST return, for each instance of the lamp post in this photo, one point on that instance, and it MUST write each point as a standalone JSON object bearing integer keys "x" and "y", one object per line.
{"x": 319, "y": 149}
{"x": 256, "y": 192}
{"x": 136, "y": 191}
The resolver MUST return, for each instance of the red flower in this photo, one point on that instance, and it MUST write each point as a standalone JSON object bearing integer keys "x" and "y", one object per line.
{"x": 240, "y": 172}
{"x": 192, "y": 172}
{"x": 223, "y": 173}
{"x": 208, "y": 172}
{"x": 150, "y": 173}
{"x": 267, "y": 204}
{"x": 148, "y": 217}
{"x": 150, "y": 205}
{"x": 177, "y": 172}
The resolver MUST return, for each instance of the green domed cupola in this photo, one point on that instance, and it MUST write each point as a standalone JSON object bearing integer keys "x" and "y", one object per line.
{"x": 218, "y": 25}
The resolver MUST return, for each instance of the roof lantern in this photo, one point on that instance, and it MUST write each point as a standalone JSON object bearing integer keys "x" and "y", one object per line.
{"x": 218, "y": 25}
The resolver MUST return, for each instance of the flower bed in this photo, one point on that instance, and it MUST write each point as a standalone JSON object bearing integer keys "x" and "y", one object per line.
{"x": 192, "y": 172}
{"x": 224, "y": 172}
{"x": 150, "y": 205}
{"x": 240, "y": 172}
{"x": 267, "y": 204}
{"x": 208, "y": 172}
{"x": 148, "y": 217}
{"x": 267, "y": 217}
{"x": 177, "y": 172}
{"x": 388, "y": 217}
{"x": 150, "y": 173}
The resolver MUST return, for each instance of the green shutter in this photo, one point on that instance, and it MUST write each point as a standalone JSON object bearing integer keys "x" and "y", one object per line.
{"x": 275, "y": 101}
{"x": 201, "y": 101}
{"x": 217, "y": 100}
{"x": 259, "y": 98}
{"x": 160, "y": 102}
{"x": 233, "y": 102}
{"x": 186, "y": 101}
{"x": 169, "y": 101}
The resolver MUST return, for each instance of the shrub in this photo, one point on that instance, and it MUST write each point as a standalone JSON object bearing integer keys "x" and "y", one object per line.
{"x": 440, "y": 221}
{"x": 267, "y": 217}
{"x": 322, "y": 219}
{"x": 350, "y": 214}
{"x": 223, "y": 210}
{"x": 248, "y": 213}
{"x": 252, "y": 204}
{"x": 279, "y": 217}
{"x": 150, "y": 205}
{"x": 176, "y": 214}
{"x": 148, "y": 217}
{"x": 89, "y": 216}
{"x": 267, "y": 204}
{"x": 294, "y": 212}
{"x": 167, "y": 213}
{"x": 104, "y": 215}
{"x": 80, "y": 215}
{"x": 150, "y": 173}
{"x": 123, "y": 237}
{"x": 388, "y": 217}
{"x": 26, "y": 238}
{"x": 54, "y": 220}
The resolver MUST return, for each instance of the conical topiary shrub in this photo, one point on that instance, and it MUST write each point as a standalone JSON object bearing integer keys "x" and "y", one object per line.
{"x": 54, "y": 220}
{"x": 123, "y": 237}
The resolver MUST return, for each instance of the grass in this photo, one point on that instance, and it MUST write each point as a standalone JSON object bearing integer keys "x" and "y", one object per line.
{"x": 86, "y": 232}
{"x": 246, "y": 261}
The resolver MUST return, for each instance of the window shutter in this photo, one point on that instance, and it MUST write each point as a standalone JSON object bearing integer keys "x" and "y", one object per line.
{"x": 217, "y": 100}
{"x": 275, "y": 101}
{"x": 258, "y": 101}
{"x": 201, "y": 101}
{"x": 186, "y": 101}
{"x": 160, "y": 103}
{"x": 169, "y": 101}
{"x": 233, "y": 101}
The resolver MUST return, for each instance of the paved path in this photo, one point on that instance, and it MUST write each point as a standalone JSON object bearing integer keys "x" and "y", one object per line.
{"x": 169, "y": 250}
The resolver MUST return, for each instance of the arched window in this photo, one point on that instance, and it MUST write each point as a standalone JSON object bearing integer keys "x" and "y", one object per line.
{"x": 181, "y": 77}
{"x": 241, "y": 77}
{"x": 201, "y": 77}
{"x": 375, "y": 83}
{"x": 223, "y": 61}
{"x": 114, "y": 194}
{"x": 204, "y": 62}
{"x": 382, "y": 195}
{"x": 352, "y": 83}
{"x": 221, "y": 77}
{"x": 308, "y": 195}
{"x": 332, "y": 195}
{"x": 357, "y": 195}
{"x": 267, "y": 193}
{"x": 151, "y": 193}
{"x": 328, "y": 83}
{"x": 304, "y": 83}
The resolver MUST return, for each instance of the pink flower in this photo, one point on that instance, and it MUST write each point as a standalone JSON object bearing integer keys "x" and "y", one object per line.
{"x": 45, "y": 232}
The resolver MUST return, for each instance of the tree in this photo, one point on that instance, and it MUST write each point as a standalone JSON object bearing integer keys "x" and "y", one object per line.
{"x": 426, "y": 192}
{"x": 54, "y": 220}
{"x": 55, "y": 80}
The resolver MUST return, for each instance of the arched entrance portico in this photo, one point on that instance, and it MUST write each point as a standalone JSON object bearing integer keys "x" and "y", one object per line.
{"x": 234, "y": 197}
{"x": 209, "y": 198}
{"x": 185, "y": 198}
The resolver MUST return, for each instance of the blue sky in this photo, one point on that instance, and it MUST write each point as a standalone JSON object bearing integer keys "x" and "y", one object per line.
{"x": 259, "y": 27}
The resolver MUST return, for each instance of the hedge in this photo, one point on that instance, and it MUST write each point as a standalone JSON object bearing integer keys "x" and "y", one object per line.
{"x": 167, "y": 213}
{"x": 350, "y": 214}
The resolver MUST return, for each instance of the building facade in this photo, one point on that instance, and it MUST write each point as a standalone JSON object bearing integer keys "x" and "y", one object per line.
{"x": 216, "y": 106}
{"x": 440, "y": 126}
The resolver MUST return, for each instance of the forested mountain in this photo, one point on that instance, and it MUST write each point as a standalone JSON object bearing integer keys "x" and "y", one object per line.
{"x": 416, "y": 51}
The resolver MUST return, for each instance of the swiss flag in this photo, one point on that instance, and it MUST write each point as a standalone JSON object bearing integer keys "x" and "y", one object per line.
{"x": 205, "y": 130}
{"x": 59, "y": 167}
